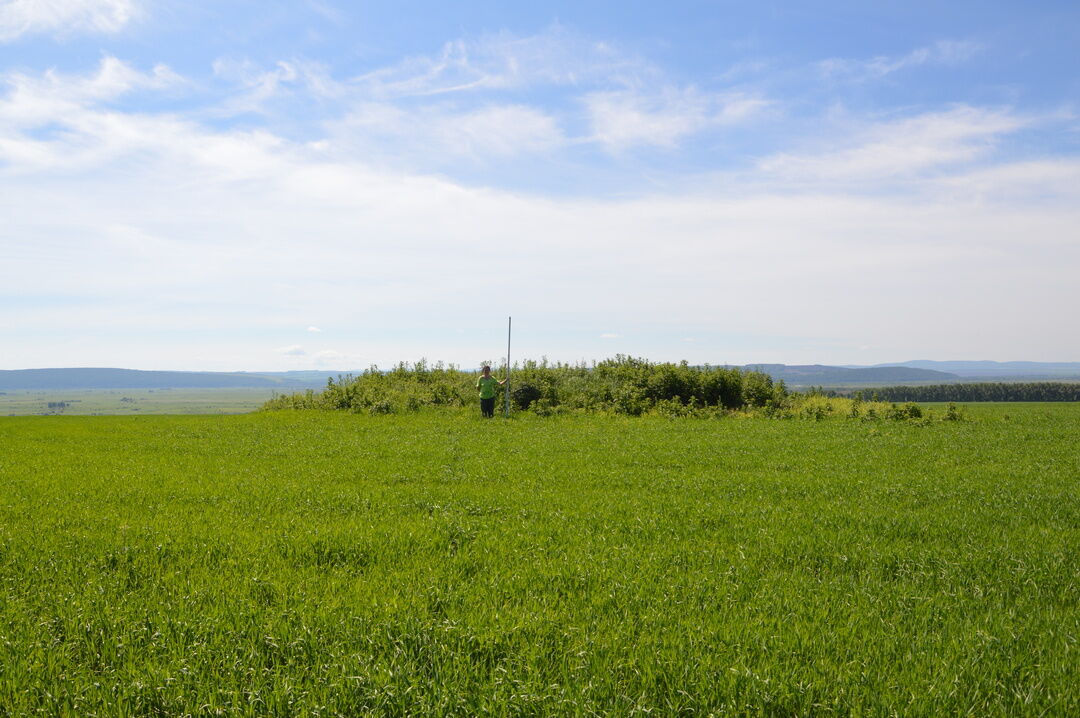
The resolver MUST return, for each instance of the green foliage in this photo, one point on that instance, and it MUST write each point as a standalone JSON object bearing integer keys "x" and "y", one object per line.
{"x": 856, "y": 407}
{"x": 622, "y": 385}
{"x": 907, "y": 411}
{"x": 431, "y": 563}
{"x": 819, "y": 405}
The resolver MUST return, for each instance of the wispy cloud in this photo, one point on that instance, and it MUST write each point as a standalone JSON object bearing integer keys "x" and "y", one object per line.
{"x": 475, "y": 100}
{"x": 899, "y": 149}
{"x": 314, "y": 330}
{"x": 294, "y": 350}
{"x": 491, "y": 130}
{"x": 627, "y": 117}
{"x": 32, "y": 97}
{"x": 943, "y": 52}
{"x": 503, "y": 60}
{"x": 259, "y": 88}
{"x": 26, "y": 17}
{"x": 66, "y": 122}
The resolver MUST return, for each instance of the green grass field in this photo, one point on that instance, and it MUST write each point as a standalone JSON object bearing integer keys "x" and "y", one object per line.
{"x": 433, "y": 564}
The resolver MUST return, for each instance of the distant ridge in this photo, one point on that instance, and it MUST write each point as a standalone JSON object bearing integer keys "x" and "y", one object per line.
{"x": 996, "y": 369}
{"x": 910, "y": 372}
{"x": 820, "y": 374}
{"x": 92, "y": 378}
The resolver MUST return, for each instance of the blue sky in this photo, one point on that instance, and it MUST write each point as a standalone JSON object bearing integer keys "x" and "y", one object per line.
{"x": 292, "y": 185}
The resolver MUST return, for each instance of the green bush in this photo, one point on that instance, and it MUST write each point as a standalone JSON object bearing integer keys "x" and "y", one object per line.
{"x": 621, "y": 385}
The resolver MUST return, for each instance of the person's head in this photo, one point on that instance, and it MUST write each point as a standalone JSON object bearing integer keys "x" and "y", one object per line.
{"x": 485, "y": 370}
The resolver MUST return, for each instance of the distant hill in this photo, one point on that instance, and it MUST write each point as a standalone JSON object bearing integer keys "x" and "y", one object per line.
{"x": 90, "y": 378}
{"x": 997, "y": 370}
{"x": 820, "y": 374}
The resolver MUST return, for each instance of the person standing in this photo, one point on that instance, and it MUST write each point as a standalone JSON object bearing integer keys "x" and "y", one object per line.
{"x": 489, "y": 389}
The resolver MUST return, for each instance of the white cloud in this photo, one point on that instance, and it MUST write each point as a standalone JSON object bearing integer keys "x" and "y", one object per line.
{"x": 556, "y": 56}
{"x": 75, "y": 110}
{"x": 287, "y": 80}
{"x": 185, "y": 227}
{"x": 943, "y": 52}
{"x": 24, "y": 17}
{"x": 609, "y": 336}
{"x": 314, "y": 330}
{"x": 901, "y": 148}
{"x": 627, "y": 117}
{"x": 453, "y": 104}
{"x": 465, "y": 103}
{"x": 488, "y": 131}
{"x": 48, "y": 96}
{"x": 83, "y": 131}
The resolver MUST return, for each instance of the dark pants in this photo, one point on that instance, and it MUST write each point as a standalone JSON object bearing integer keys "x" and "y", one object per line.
{"x": 487, "y": 407}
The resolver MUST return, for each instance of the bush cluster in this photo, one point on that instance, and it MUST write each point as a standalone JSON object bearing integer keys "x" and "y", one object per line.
{"x": 817, "y": 405}
{"x": 406, "y": 387}
{"x": 622, "y": 385}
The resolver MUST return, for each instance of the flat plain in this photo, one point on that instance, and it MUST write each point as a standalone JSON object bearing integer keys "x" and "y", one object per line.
{"x": 93, "y": 402}
{"x": 298, "y": 563}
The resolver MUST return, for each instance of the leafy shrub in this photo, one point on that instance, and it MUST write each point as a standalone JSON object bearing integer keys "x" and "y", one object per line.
{"x": 622, "y": 385}
{"x": 673, "y": 409}
{"x": 901, "y": 413}
{"x": 381, "y": 407}
{"x": 544, "y": 407}
{"x": 953, "y": 413}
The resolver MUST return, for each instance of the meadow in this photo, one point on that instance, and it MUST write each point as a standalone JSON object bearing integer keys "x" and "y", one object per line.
{"x": 93, "y": 402}
{"x": 432, "y": 563}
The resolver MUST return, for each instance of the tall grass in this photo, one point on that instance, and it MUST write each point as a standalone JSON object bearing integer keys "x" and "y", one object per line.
{"x": 325, "y": 563}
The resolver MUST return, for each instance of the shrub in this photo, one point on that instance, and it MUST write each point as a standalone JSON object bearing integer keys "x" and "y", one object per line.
{"x": 381, "y": 407}
{"x": 901, "y": 413}
{"x": 623, "y": 385}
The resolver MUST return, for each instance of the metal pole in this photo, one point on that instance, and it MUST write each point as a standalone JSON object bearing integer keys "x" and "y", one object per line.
{"x": 508, "y": 322}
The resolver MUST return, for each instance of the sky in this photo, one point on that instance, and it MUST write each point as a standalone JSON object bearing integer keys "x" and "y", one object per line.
{"x": 242, "y": 185}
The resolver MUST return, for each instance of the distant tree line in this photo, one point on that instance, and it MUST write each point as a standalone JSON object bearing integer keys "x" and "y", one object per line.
{"x": 981, "y": 391}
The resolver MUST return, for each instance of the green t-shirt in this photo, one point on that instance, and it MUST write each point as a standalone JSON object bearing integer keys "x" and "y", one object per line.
{"x": 489, "y": 387}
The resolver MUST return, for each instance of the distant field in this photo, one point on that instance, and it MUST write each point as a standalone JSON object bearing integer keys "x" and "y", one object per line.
{"x": 433, "y": 564}
{"x": 81, "y": 402}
